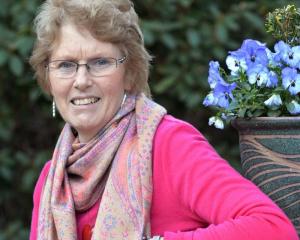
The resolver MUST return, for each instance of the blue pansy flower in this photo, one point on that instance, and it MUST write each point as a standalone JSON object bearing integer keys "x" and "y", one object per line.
{"x": 281, "y": 48}
{"x": 273, "y": 58}
{"x": 236, "y": 61}
{"x": 214, "y": 75}
{"x": 255, "y": 52}
{"x": 293, "y": 107}
{"x": 223, "y": 93}
{"x": 210, "y": 100}
{"x": 273, "y": 101}
{"x": 287, "y": 54}
{"x": 216, "y": 121}
{"x": 291, "y": 80}
{"x": 294, "y": 57}
{"x": 214, "y": 66}
{"x": 272, "y": 80}
{"x": 258, "y": 74}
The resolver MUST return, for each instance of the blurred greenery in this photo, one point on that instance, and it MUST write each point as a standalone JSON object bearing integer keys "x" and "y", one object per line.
{"x": 183, "y": 35}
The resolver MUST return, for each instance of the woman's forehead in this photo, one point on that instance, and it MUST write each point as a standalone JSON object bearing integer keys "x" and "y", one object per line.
{"x": 79, "y": 43}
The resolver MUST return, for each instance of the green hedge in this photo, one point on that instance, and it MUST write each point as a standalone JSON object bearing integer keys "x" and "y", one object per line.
{"x": 183, "y": 35}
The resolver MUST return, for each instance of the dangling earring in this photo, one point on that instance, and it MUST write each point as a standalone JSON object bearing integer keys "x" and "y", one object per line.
{"x": 53, "y": 109}
{"x": 124, "y": 98}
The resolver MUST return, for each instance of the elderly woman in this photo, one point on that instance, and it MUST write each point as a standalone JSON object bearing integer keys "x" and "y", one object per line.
{"x": 122, "y": 168}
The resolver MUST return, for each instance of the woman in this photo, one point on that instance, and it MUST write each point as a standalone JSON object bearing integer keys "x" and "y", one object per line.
{"x": 122, "y": 168}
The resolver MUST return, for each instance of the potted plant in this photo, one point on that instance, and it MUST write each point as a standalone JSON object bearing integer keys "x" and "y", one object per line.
{"x": 259, "y": 94}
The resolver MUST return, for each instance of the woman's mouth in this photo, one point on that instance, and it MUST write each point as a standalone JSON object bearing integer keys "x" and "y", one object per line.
{"x": 85, "y": 101}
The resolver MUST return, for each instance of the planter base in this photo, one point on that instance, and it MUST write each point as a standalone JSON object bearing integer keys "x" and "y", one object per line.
{"x": 270, "y": 157}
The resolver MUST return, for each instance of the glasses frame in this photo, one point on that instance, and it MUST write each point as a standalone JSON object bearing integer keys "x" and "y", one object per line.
{"x": 118, "y": 61}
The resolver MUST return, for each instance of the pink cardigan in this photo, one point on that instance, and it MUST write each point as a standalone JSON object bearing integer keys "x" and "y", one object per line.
{"x": 196, "y": 194}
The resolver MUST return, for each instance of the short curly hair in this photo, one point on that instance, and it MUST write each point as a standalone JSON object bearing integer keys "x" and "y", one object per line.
{"x": 113, "y": 21}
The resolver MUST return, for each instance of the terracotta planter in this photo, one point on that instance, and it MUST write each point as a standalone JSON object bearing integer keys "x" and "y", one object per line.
{"x": 270, "y": 157}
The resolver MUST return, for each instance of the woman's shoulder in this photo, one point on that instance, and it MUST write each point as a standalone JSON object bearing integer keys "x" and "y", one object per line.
{"x": 178, "y": 143}
{"x": 171, "y": 125}
{"x": 168, "y": 120}
{"x": 174, "y": 130}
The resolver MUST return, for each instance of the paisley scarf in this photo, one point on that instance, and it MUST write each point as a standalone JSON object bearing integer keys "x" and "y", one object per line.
{"x": 115, "y": 166}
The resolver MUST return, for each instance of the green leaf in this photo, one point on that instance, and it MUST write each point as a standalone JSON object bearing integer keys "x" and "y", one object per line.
{"x": 169, "y": 40}
{"x": 164, "y": 84}
{"x": 246, "y": 86}
{"x": 21, "y": 158}
{"x": 5, "y": 133}
{"x": 35, "y": 94}
{"x": 272, "y": 113}
{"x": 3, "y": 8}
{"x": 214, "y": 10}
{"x": 28, "y": 180}
{"x": 193, "y": 37}
{"x": 221, "y": 32}
{"x": 193, "y": 100}
{"x": 6, "y": 173}
{"x": 218, "y": 52}
{"x": 249, "y": 114}
{"x": 185, "y": 3}
{"x": 254, "y": 20}
{"x": 7, "y": 34}
{"x": 231, "y": 23}
{"x": 3, "y": 57}
{"x": 24, "y": 44}
{"x": 241, "y": 113}
{"x": 233, "y": 105}
{"x": 148, "y": 36}
{"x": 16, "y": 65}
{"x": 155, "y": 25}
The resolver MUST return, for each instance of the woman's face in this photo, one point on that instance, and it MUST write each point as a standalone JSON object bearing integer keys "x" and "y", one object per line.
{"x": 85, "y": 101}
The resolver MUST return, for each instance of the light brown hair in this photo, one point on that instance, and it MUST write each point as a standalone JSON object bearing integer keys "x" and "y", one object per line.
{"x": 113, "y": 21}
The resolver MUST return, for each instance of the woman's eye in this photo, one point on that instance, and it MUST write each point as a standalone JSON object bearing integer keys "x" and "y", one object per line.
{"x": 65, "y": 65}
{"x": 101, "y": 62}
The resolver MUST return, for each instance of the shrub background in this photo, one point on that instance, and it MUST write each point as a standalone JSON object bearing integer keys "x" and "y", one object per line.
{"x": 183, "y": 35}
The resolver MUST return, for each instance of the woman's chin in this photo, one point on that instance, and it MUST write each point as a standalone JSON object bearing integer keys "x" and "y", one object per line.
{"x": 86, "y": 130}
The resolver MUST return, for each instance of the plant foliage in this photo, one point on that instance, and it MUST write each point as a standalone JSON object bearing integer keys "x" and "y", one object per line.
{"x": 284, "y": 24}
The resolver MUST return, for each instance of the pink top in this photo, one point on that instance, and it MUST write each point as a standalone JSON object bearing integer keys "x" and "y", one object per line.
{"x": 196, "y": 194}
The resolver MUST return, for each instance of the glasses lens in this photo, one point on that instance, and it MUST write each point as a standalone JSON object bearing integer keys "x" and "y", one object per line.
{"x": 102, "y": 66}
{"x": 63, "y": 69}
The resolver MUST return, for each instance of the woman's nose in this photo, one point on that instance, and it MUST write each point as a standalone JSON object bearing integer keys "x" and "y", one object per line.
{"x": 82, "y": 77}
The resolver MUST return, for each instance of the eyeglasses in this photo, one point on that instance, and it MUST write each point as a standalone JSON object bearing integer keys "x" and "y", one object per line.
{"x": 97, "y": 67}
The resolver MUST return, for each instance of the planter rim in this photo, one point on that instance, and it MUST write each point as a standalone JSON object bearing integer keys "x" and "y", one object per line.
{"x": 265, "y": 123}
{"x": 270, "y": 118}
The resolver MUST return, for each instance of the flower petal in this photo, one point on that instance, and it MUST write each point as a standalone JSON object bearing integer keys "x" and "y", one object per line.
{"x": 293, "y": 107}
{"x": 273, "y": 101}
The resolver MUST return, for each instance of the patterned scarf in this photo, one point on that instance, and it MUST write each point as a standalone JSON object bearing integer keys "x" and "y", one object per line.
{"x": 115, "y": 166}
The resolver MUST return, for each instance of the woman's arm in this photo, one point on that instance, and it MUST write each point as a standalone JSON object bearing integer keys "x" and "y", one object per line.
{"x": 207, "y": 186}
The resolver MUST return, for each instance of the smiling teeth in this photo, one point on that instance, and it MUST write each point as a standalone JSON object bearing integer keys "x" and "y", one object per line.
{"x": 85, "y": 101}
